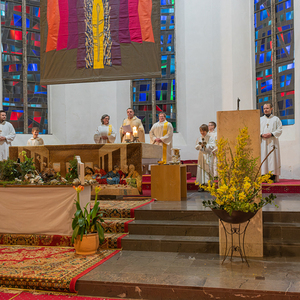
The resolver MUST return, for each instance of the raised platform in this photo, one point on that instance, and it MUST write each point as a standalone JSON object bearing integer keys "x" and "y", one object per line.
{"x": 177, "y": 258}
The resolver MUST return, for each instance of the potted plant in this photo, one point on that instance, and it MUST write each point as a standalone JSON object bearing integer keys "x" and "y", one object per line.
{"x": 88, "y": 232}
{"x": 237, "y": 193}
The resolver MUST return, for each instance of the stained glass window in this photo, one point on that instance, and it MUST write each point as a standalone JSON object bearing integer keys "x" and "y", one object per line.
{"x": 284, "y": 60}
{"x": 165, "y": 87}
{"x": 11, "y": 29}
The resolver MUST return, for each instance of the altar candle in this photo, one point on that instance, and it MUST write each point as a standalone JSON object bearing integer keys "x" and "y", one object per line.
{"x": 127, "y": 137}
{"x": 135, "y": 133}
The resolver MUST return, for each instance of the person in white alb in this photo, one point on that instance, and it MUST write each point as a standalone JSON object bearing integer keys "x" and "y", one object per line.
{"x": 105, "y": 133}
{"x": 35, "y": 140}
{"x": 161, "y": 133}
{"x": 270, "y": 131}
{"x": 213, "y": 133}
{"x": 205, "y": 145}
{"x": 132, "y": 121}
{"x": 7, "y": 135}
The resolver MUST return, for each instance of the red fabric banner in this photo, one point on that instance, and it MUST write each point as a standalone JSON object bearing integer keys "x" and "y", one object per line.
{"x": 53, "y": 19}
{"x": 63, "y": 32}
{"x": 134, "y": 21}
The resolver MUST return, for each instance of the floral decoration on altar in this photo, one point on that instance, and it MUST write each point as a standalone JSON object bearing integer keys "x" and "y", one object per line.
{"x": 238, "y": 187}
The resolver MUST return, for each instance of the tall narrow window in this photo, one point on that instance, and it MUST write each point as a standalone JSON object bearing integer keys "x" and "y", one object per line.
{"x": 12, "y": 50}
{"x": 165, "y": 87}
{"x": 275, "y": 71}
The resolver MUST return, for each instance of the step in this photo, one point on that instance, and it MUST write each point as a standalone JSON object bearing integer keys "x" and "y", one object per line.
{"x": 171, "y": 228}
{"x": 279, "y": 248}
{"x": 176, "y": 215}
{"x": 282, "y": 231}
{"x": 162, "y": 243}
{"x": 281, "y": 216}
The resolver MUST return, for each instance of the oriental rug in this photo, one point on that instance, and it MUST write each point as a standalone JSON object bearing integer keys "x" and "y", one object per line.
{"x": 46, "y": 268}
{"x": 22, "y": 295}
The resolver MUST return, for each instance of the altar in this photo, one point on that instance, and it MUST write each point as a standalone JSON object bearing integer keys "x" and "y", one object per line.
{"x": 104, "y": 156}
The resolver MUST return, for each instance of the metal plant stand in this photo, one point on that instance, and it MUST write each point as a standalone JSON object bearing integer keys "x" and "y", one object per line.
{"x": 235, "y": 248}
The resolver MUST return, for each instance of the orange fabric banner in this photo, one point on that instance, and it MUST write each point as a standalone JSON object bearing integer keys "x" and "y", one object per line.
{"x": 145, "y": 9}
{"x": 53, "y": 19}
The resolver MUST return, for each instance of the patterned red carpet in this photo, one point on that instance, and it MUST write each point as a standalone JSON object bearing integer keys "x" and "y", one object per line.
{"x": 46, "y": 268}
{"x": 33, "y": 296}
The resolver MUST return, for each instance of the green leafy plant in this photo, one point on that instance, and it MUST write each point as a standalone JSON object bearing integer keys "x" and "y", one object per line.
{"x": 9, "y": 170}
{"x": 72, "y": 170}
{"x": 27, "y": 166}
{"x": 85, "y": 222}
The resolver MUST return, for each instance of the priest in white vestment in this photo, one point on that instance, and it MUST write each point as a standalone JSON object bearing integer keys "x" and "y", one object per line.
{"x": 205, "y": 144}
{"x": 161, "y": 134}
{"x": 270, "y": 131}
{"x": 130, "y": 122}
{"x": 7, "y": 135}
{"x": 105, "y": 133}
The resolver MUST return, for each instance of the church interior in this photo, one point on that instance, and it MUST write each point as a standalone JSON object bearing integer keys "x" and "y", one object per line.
{"x": 150, "y": 203}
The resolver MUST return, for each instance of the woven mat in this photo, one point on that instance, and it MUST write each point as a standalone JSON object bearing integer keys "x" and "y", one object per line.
{"x": 46, "y": 268}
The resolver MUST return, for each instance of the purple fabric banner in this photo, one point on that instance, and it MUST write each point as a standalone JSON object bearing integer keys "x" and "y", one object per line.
{"x": 72, "y": 26}
{"x": 81, "y": 35}
{"x": 114, "y": 32}
{"x": 62, "y": 39}
{"x": 124, "y": 35}
{"x": 134, "y": 21}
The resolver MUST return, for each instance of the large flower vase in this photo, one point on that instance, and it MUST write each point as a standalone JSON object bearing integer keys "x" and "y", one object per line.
{"x": 236, "y": 218}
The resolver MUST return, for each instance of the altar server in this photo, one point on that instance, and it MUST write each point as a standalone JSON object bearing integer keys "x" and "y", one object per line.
{"x": 161, "y": 134}
{"x": 105, "y": 133}
{"x": 35, "y": 140}
{"x": 213, "y": 133}
{"x": 270, "y": 131}
{"x": 205, "y": 144}
{"x": 127, "y": 129}
{"x": 7, "y": 135}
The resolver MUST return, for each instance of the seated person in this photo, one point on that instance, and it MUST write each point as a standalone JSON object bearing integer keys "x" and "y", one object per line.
{"x": 89, "y": 172}
{"x": 35, "y": 140}
{"x": 123, "y": 174}
{"x": 113, "y": 177}
{"x": 133, "y": 178}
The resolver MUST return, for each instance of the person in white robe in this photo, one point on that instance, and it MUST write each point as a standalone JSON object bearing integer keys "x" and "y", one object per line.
{"x": 105, "y": 133}
{"x": 130, "y": 122}
{"x": 213, "y": 133}
{"x": 270, "y": 131}
{"x": 161, "y": 134}
{"x": 35, "y": 140}
{"x": 7, "y": 135}
{"x": 205, "y": 145}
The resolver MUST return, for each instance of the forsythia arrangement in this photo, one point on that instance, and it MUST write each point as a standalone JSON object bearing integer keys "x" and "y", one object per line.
{"x": 238, "y": 186}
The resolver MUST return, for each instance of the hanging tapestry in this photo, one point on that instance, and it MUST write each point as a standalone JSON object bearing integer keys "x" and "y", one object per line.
{"x": 99, "y": 40}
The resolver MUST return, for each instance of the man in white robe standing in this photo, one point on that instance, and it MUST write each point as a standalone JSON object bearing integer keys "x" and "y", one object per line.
{"x": 270, "y": 131}
{"x": 7, "y": 135}
{"x": 161, "y": 133}
{"x": 132, "y": 121}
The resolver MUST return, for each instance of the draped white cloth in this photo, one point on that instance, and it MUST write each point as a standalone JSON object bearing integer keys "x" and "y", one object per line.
{"x": 138, "y": 124}
{"x": 8, "y": 131}
{"x": 35, "y": 142}
{"x": 157, "y": 132}
{"x": 270, "y": 125}
{"x": 103, "y": 131}
{"x": 213, "y": 134}
{"x": 205, "y": 159}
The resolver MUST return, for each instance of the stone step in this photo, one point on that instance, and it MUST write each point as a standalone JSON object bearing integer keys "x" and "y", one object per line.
{"x": 171, "y": 228}
{"x": 278, "y": 248}
{"x": 175, "y": 215}
{"x": 281, "y": 216}
{"x": 163, "y": 243}
{"x": 282, "y": 231}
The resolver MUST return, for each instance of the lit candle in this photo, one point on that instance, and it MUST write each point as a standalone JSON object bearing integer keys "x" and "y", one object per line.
{"x": 135, "y": 133}
{"x": 127, "y": 137}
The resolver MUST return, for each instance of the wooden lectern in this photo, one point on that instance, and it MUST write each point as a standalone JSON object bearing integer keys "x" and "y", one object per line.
{"x": 229, "y": 123}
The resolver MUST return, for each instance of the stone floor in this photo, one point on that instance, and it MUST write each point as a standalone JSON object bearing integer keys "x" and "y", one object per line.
{"x": 171, "y": 275}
